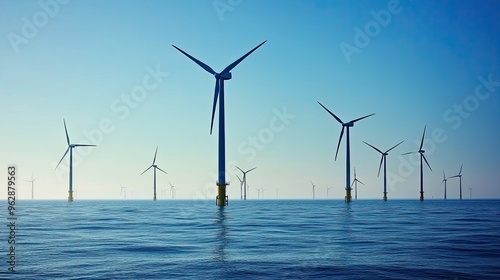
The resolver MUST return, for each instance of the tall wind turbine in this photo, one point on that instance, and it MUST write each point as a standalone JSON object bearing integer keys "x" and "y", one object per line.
{"x": 241, "y": 187}
{"x": 459, "y": 175}
{"x": 32, "y": 183}
{"x": 123, "y": 190}
{"x": 154, "y": 171}
{"x": 219, "y": 95}
{"x": 355, "y": 183}
{"x": 70, "y": 149}
{"x": 422, "y": 158}
{"x": 245, "y": 181}
{"x": 313, "y": 188}
{"x": 383, "y": 159}
{"x": 172, "y": 190}
{"x": 444, "y": 181}
{"x": 348, "y": 197}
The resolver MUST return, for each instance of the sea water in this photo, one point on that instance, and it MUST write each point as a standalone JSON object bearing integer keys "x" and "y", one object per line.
{"x": 254, "y": 239}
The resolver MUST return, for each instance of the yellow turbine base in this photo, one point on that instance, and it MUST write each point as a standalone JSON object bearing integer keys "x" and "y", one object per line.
{"x": 70, "y": 196}
{"x": 348, "y": 197}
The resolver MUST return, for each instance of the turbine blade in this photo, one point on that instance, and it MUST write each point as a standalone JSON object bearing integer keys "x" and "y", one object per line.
{"x": 250, "y": 170}
{"x": 409, "y": 153}
{"x": 340, "y": 139}
{"x": 67, "y": 150}
{"x": 240, "y": 169}
{"x": 161, "y": 170}
{"x": 380, "y": 166}
{"x": 354, "y": 172}
{"x": 232, "y": 65}
{"x": 203, "y": 65}
{"x": 216, "y": 96}
{"x": 454, "y": 176}
{"x": 154, "y": 159}
{"x": 373, "y": 147}
{"x": 427, "y": 162}
{"x": 444, "y": 176}
{"x": 460, "y": 172}
{"x": 66, "y": 131}
{"x": 146, "y": 170}
{"x": 422, "y": 142}
{"x": 241, "y": 181}
{"x": 395, "y": 146}
{"x": 312, "y": 184}
{"x": 353, "y": 121}
{"x": 83, "y": 145}
{"x": 352, "y": 183}
{"x": 337, "y": 118}
{"x": 171, "y": 186}
{"x": 360, "y": 182}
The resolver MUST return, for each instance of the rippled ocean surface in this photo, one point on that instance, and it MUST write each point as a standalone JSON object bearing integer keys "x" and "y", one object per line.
{"x": 255, "y": 239}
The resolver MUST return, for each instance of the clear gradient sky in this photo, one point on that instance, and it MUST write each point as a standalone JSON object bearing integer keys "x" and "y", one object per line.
{"x": 109, "y": 69}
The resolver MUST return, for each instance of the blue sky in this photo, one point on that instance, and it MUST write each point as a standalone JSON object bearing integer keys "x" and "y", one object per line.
{"x": 413, "y": 63}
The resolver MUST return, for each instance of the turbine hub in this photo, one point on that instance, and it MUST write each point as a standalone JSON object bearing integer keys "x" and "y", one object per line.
{"x": 349, "y": 124}
{"x": 421, "y": 151}
{"x": 226, "y": 76}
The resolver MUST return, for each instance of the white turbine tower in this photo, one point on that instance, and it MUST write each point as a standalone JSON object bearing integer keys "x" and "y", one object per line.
{"x": 32, "y": 186}
{"x": 347, "y": 125}
{"x": 355, "y": 183}
{"x": 70, "y": 150}
{"x": 245, "y": 181}
{"x": 123, "y": 190}
{"x": 313, "y": 189}
{"x": 154, "y": 171}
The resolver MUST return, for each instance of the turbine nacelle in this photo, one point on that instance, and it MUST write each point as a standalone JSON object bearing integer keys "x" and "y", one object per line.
{"x": 224, "y": 76}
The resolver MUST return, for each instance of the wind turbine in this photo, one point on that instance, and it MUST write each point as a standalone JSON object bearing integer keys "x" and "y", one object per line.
{"x": 355, "y": 183}
{"x": 421, "y": 152}
{"x": 459, "y": 175}
{"x": 384, "y": 160}
{"x": 245, "y": 181}
{"x": 444, "y": 180}
{"x": 172, "y": 190}
{"x": 70, "y": 149}
{"x": 219, "y": 95}
{"x": 124, "y": 191}
{"x": 327, "y": 189}
{"x": 470, "y": 192}
{"x": 313, "y": 188}
{"x": 241, "y": 187}
{"x": 348, "y": 156}
{"x": 32, "y": 183}
{"x": 154, "y": 171}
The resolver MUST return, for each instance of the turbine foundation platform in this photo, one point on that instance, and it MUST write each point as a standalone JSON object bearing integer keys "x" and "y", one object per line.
{"x": 70, "y": 196}
{"x": 348, "y": 197}
{"x": 421, "y": 196}
{"x": 221, "y": 199}
{"x": 154, "y": 197}
{"x": 385, "y": 196}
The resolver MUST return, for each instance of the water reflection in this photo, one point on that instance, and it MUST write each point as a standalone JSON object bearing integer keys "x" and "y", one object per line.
{"x": 220, "y": 238}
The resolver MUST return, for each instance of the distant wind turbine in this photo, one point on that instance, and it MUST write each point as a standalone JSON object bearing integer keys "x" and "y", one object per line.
{"x": 70, "y": 149}
{"x": 245, "y": 181}
{"x": 32, "y": 188}
{"x": 154, "y": 172}
{"x": 422, "y": 158}
{"x": 262, "y": 189}
{"x": 241, "y": 187}
{"x": 123, "y": 190}
{"x": 355, "y": 183}
{"x": 444, "y": 181}
{"x": 459, "y": 175}
{"x": 348, "y": 197}
{"x": 327, "y": 189}
{"x": 172, "y": 190}
{"x": 384, "y": 160}
{"x": 219, "y": 95}
{"x": 470, "y": 192}
{"x": 313, "y": 188}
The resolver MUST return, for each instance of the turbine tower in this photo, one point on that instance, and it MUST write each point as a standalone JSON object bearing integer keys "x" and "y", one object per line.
{"x": 70, "y": 149}
{"x": 32, "y": 189}
{"x": 348, "y": 197}
{"x": 241, "y": 187}
{"x": 327, "y": 189}
{"x": 422, "y": 158}
{"x": 444, "y": 180}
{"x": 221, "y": 199}
{"x": 245, "y": 181}
{"x": 123, "y": 190}
{"x": 154, "y": 171}
{"x": 459, "y": 175}
{"x": 355, "y": 183}
{"x": 384, "y": 160}
{"x": 313, "y": 188}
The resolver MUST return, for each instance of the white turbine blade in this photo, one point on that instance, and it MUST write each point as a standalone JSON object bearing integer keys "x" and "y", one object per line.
{"x": 373, "y": 147}
{"x": 337, "y": 118}
{"x": 241, "y": 181}
{"x": 359, "y": 182}
{"x": 67, "y": 150}
{"x": 232, "y": 65}
{"x": 161, "y": 170}
{"x": 216, "y": 98}
{"x": 203, "y": 65}
{"x": 66, "y": 131}
{"x": 240, "y": 169}
{"x": 154, "y": 159}
{"x": 353, "y": 121}
{"x": 146, "y": 170}
{"x": 395, "y": 146}
{"x": 250, "y": 169}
